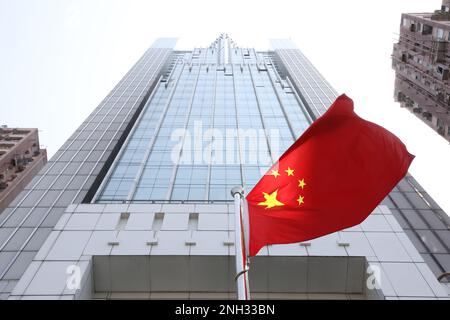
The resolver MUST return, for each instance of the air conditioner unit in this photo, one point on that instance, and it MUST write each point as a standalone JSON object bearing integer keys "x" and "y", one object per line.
{"x": 443, "y": 72}
{"x": 401, "y": 97}
{"x": 404, "y": 57}
{"x": 427, "y": 115}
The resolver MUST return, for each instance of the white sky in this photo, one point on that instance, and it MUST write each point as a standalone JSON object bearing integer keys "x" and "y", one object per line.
{"x": 59, "y": 59}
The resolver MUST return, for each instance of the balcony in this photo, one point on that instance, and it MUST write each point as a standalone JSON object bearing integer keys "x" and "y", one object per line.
{"x": 440, "y": 15}
{"x": 6, "y": 146}
{"x": 438, "y": 50}
{"x": 415, "y": 36}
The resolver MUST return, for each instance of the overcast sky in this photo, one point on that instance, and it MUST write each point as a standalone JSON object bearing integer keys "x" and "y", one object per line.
{"x": 59, "y": 59}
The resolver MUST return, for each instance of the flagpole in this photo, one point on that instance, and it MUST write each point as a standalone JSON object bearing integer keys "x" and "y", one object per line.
{"x": 241, "y": 265}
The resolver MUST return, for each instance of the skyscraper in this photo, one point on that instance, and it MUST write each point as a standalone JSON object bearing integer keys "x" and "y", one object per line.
{"x": 421, "y": 61}
{"x": 137, "y": 202}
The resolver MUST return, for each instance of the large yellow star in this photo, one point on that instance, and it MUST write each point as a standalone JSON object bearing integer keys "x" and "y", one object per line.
{"x": 290, "y": 172}
{"x": 271, "y": 200}
{"x": 275, "y": 173}
{"x": 301, "y": 183}
{"x": 300, "y": 200}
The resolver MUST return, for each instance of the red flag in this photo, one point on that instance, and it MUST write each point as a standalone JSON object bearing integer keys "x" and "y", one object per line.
{"x": 330, "y": 179}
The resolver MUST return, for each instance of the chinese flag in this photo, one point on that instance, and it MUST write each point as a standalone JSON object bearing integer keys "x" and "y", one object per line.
{"x": 330, "y": 179}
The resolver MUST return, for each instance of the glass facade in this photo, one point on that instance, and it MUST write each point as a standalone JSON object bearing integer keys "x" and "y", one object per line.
{"x": 164, "y": 134}
{"x": 215, "y": 121}
{"x": 141, "y": 144}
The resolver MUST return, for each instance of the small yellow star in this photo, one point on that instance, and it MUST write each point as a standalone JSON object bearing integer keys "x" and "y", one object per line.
{"x": 300, "y": 200}
{"x": 301, "y": 183}
{"x": 271, "y": 200}
{"x": 290, "y": 172}
{"x": 275, "y": 173}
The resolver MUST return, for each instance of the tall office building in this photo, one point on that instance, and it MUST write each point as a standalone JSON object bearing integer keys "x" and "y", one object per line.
{"x": 137, "y": 204}
{"x": 21, "y": 158}
{"x": 421, "y": 60}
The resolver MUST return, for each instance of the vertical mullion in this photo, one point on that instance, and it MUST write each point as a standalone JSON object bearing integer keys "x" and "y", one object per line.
{"x": 152, "y": 141}
{"x": 288, "y": 121}
{"x": 260, "y": 113}
{"x": 241, "y": 162}
{"x": 176, "y": 165}
{"x": 208, "y": 179}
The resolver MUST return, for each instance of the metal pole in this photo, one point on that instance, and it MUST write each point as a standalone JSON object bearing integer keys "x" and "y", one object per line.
{"x": 241, "y": 265}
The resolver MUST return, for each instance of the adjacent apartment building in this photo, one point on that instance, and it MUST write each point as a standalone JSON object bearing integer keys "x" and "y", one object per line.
{"x": 21, "y": 158}
{"x": 137, "y": 203}
{"x": 421, "y": 60}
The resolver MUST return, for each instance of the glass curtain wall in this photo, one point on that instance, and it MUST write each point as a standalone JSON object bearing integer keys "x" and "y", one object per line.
{"x": 217, "y": 121}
